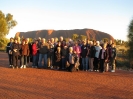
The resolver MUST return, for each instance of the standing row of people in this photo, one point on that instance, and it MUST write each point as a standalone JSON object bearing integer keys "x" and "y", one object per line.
{"x": 59, "y": 54}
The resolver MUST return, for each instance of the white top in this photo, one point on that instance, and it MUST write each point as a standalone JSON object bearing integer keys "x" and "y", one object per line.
{"x": 98, "y": 48}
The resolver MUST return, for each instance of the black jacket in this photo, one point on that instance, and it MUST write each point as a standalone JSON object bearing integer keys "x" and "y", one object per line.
{"x": 92, "y": 52}
{"x": 8, "y": 47}
{"x": 16, "y": 46}
{"x": 106, "y": 55}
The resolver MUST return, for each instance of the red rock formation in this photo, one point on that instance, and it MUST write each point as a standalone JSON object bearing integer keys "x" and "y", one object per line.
{"x": 90, "y": 33}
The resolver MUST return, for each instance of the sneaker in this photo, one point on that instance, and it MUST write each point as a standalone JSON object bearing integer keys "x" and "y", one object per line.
{"x": 51, "y": 67}
{"x": 21, "y": 66}
{"x": 35, "y": 66}
{"x": 112, "y": 70}
{"x": 24, "y": 66}
{"x": 16, "y": 67}
{"x": 10, "y": 66}
{"x": 97, "y": 70}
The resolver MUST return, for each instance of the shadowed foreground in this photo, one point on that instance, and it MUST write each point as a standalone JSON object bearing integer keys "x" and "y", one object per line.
{"x": 32, "y": 83}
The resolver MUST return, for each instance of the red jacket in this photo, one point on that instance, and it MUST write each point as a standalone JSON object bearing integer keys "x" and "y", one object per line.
{"x": 34, "y": 49}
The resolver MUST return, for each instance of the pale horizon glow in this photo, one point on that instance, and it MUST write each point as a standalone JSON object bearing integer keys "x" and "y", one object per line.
{"x": 109, "y": 16}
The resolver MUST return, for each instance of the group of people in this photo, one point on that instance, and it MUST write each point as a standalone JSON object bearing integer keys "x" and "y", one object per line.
{"x": 59, "y": 54}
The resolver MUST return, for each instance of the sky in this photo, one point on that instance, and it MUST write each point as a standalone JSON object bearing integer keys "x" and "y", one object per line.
{"x": 109, "y": 16}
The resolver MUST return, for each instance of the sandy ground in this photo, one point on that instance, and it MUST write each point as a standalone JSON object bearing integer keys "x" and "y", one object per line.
{"x": 31, "y": 83}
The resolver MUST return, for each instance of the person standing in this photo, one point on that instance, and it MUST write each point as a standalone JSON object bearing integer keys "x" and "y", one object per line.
{"x": 84, "y": 56}
{"x": 15, "y": 53}
{"x": 64, "y": 53}
{"x": 112, "y": 57}
{"x": 9, "y": 52}
{"x": 35, "y": 54}
{"x": 91, "y": 56}
{"x": 51, "y": 52}
{"x": 43, "y": 52}
{"x": 96, "y": 59}
{"x": 24, "y": 51}
{"x": 103, "y": 56}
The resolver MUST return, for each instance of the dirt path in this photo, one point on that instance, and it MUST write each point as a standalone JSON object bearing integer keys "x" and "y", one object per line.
{"x": 50, "y": 84}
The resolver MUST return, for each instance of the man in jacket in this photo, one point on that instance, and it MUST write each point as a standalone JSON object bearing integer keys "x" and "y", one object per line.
{"x": 43, "y": 49}
{"x": 9, "y": 52}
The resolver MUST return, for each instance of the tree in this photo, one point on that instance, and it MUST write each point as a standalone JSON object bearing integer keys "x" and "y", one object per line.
{"x": 130, "y": 39}
{"x": 6, "y": 23}
{"x": 75, "y": 36}
{"x": 83, "y": 37}
{"x": 105, "y": 40}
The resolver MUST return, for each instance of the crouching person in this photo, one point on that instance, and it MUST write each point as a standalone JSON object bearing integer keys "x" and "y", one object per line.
{"x": 73, "y": 60}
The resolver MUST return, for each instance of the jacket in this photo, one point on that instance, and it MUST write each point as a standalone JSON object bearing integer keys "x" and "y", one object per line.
{"x": 17, "y": 47}
{"x": 25, "y": 50}
{"x": 105, "y": 55}
{"x": 44, "y": 48}
{"x": 8, "y": 47}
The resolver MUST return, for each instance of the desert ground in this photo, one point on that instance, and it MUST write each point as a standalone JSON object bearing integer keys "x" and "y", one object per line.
{"x": 31, "y": 83}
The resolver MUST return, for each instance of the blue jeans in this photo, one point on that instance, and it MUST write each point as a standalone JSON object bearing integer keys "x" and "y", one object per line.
{"x": 35, "y": 60}
{"x": 42, "y": 56}
{"x": 63, "y": 63}
{"x": 85, "y": 63}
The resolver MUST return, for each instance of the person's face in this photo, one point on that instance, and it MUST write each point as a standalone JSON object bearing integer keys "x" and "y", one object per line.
{"x": 110, "y": 41}
{"x": 52, "y": 40}
{"x": 11, "y": 40}
{"x": 43, "y": 40}
{"x": 59, "y": 43}
{"x": 15, "y": 41}
{"x": 61, "y": 38}
{"x": 70, "y": 50}
{"x": 23, "y": 42}
{"x": 36, "y": 42}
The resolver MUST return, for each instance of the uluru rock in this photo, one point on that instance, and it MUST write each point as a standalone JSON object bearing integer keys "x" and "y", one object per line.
{"x": 90, "y": 33}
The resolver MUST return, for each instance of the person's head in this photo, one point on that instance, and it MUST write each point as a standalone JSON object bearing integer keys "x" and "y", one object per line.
{"x": 70, "y": 49}
{"x": 59, "y": 43}
{"x": 91, "y": 43}
{"x": 84, "y": 42}
{"x": 110, "y": 42}
{"x": 52, "y": 40}
{"x": 97, "y": 43}
{"x": 39, "y": 38}
{"x": 15, "y": 41}
{"x": 112, "y": 45}
{"x": 11, "y": 39}
{"x": 55, "y": 39}
{"x": 76, "y": 43}
{"x": 58, "y": 49}
{"x": 27, "y": 40}
{"x": 104, "y": 46}
{"x": 23, "y": 41}
{"x": 61, "y": 38}
{"x": 43, "y": 40}
{"x": 36, "y": 41}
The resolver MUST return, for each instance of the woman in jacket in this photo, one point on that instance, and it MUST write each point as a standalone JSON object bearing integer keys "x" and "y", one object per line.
{"x": 15, "y": 53}
{"x": 103, "y": 56}
{"x": 24, "y": 53}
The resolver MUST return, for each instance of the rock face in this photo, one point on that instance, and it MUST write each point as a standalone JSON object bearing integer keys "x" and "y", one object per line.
{"x": 90, "y": 33}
